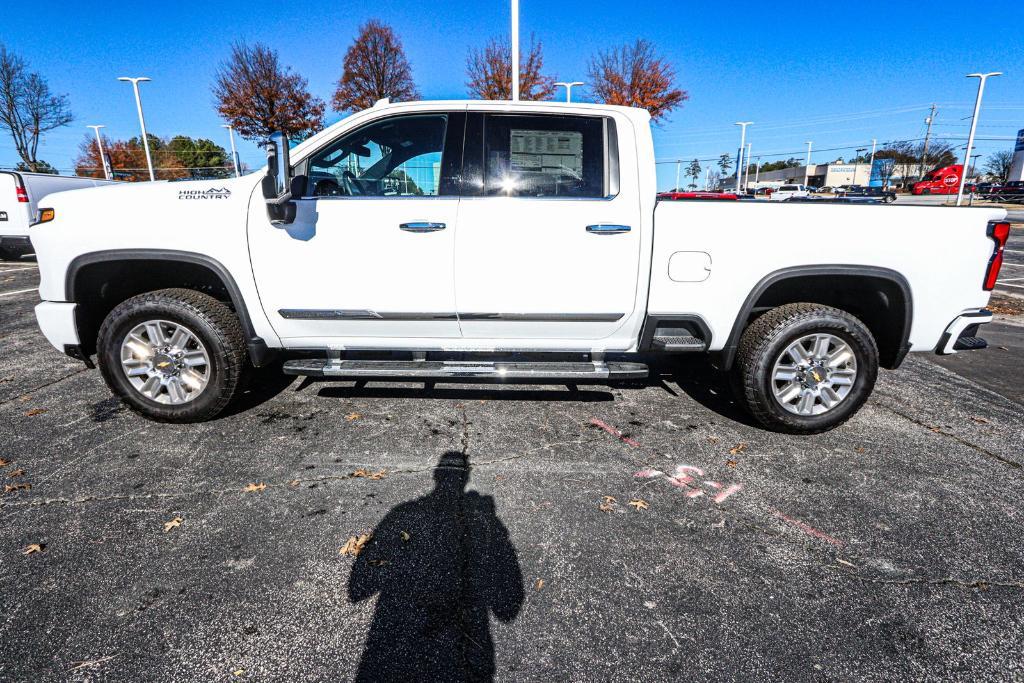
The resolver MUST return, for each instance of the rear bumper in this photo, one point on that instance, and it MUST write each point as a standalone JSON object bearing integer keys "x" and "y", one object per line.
{"x": 961, "y": 334}
{"x": 16, "y": 245}
{"x": 57, "y": 322}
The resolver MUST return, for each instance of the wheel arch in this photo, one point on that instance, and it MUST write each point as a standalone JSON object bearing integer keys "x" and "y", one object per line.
{"x": 98, "y": 281}
{"x": 880, "y": 297}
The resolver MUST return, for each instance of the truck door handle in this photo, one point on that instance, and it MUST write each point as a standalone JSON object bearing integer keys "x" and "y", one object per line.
{"x": 607, "y": 229}
{"x": 421, "y": 226}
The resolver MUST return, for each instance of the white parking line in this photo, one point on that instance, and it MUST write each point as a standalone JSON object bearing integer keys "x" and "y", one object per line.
{"x": 1012, "y": 279}
{"x": 14, "y": 268}
{"x": 1012, "y": 251}
{"x": 1000, "y": 284}
{"x": 20, "y": 291}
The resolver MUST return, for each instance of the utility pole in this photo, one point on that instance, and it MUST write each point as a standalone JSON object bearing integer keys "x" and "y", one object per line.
{"x": 678, "y": 162}
{"x": 807, "y": 168}
{"x": 142, "y": 120}
{"x": 515, "y": 50}
{"x": 103, "y": 157}
{"x": 871, "y": 169}
{"x": 757, "y": 170}
{"x": 927, "y": 137}
{"x": 746, "y": 169}
{"x": 568, "y": 88}
{"x": 974, "y": 125}
{"x": 743, "y": 141}
{"x": 234, "y": 154}
{"x": 707, "y": 178}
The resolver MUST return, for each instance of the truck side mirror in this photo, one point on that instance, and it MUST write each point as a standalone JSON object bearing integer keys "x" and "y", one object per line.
{"x": 277, "y": 185}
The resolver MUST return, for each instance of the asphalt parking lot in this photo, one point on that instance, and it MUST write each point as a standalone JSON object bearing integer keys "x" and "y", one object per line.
{"x": 645, "y": 532}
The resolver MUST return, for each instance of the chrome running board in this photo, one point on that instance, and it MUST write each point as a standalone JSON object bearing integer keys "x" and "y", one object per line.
{"x": 465, "y": 369}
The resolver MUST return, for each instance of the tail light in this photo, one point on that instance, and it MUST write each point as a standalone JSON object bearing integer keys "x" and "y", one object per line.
{"x": 22, "y": 195}
{"x": 999, "y": 232}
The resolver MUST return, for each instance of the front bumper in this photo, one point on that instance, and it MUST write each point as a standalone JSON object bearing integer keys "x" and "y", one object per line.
{"x": 961, "y": 334}
{"x": 57, "y": 322}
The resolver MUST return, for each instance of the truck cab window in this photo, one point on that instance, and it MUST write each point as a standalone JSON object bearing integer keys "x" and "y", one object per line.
{"x": 544, "y": 156}
{"x": 396, "y": 157}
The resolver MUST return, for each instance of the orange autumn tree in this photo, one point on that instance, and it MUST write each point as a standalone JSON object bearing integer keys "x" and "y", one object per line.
{"x": 635, "y": 76}
{"x": 258, "y": 96}
{"x": 375, "y": 67}
{"x": 490, "y": 72}
{"x": 128, "y": 159}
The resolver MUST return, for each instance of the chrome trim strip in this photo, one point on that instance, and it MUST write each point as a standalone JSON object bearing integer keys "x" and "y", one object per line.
{"x": 421, "y": 226}
{"x": 608, "y": 229}
{"x": 342, "y": 314}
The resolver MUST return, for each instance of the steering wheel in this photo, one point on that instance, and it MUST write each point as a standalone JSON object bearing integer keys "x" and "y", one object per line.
{"x": 352, "y": 184}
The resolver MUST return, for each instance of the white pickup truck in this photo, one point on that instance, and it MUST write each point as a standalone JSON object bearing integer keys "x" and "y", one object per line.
{"x": 505, "y": 241}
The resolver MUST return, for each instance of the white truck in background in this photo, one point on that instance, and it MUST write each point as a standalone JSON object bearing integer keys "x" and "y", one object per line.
{"x": 501, "y": 241}
{"x": 20, "y": 194}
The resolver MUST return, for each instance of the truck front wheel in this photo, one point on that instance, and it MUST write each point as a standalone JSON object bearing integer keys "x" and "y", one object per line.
{"x": 805, "y": 368}
{"x": 173, "y": 355}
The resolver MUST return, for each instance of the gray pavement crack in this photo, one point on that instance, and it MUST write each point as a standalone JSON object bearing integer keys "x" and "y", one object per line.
{"x": 43, "y": 386}
{"x": 981, "y": 584}
{"x": 1009, "y": 462}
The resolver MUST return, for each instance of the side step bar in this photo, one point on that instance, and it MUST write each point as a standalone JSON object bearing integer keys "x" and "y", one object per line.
{"x": 425, "y": 369}
{"x": 677, "y": 343}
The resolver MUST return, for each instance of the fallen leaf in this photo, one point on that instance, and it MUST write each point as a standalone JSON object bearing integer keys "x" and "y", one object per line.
{"x": 609, "y": 499}
{"x": 538, "y": 585}
{"x": 35, "y": 411}
{"x": 353, "y": 416}
{"x": 713, "y": 439}
{"x": 730, "y": 463}
{"x": 369, "y": 475}
{"x": 294, "y": 482}
{"x": 936, "y": 429}
{"x": 377, "y": 563}
{"x": 738, "y": 448}
{"x": 354, "y": 545}
{"x": 33, "y": 548}
{"x": 255, "y": 487}
{"x": 980, "y": 420}
{"x": 848, "y": 564}
{"x": 639, "y": 504}
{"x": 16, "y": 487}
{"x": 17, "y": 473}
{"x": 4, "y": 463}
{"x": 608, "y": 505}
{"x": 238, "y": 672}
{"x": 405, "y": 536}
{"x": 173, "y": 524}
{"x": 1003, "y": 348}
{"x": 24, "y": 398}
{"x": 860, "y": 449}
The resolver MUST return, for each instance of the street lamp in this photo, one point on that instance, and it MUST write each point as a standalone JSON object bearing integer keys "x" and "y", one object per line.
{"x": 515, "y": 50}
{"x": 103, "y": 157}
{"x": 568, "y": 88}
{"x": 142, "y": 120}
{"x": 974, "y": 125}
{"x": 234, "y": 154}
{"x": 757, "y": 170}
{"x": 746, "y": 169}
{"x": 807, "y": 168}
{"x": 743, "y": 141}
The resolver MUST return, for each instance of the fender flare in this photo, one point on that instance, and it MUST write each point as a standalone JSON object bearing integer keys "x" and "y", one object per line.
{"x": 259, "y": 353}
{"x": 728, "y": 353}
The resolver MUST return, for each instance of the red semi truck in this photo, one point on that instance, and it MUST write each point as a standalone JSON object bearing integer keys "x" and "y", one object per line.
{"x": 945, "y": 180}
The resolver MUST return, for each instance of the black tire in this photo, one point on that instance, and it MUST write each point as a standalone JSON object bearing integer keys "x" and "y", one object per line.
{"x": 764, "y": 341}
{"x": 212, "y": 322}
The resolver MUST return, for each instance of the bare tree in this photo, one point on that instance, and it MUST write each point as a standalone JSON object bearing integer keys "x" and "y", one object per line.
{"x": 28, "y": 109}
{"x": 634, "y": 76}
{"x": 490, "y": 72}
{"x": 258, "y": 96}
{"x": 375, "y": 67}
{"x": 896, "y": 156}
{"x": 998, "y": 166}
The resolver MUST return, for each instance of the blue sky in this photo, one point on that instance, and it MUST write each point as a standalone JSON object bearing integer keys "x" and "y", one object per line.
{"x": 835, "y": 73}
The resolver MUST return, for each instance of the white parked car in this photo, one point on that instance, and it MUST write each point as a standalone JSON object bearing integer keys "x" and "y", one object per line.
{"x": 20, "y": 194}
{"x": 786, "y": 192}
{"x": 444, "y": 240}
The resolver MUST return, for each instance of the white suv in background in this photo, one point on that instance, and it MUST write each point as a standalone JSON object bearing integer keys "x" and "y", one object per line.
{"x": 786, "y": 192}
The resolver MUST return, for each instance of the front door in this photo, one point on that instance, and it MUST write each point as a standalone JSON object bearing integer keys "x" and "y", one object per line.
{"x": 549, "y": 247}
{"x": 370, "y": 253}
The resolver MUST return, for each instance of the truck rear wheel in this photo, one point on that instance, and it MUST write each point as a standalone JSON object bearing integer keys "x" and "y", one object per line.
{"x": 173, "y": 355}
{"x": 805, "y": 368}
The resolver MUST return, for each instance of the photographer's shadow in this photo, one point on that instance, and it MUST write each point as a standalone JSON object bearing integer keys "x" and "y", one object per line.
{"x": 441, "y": 564}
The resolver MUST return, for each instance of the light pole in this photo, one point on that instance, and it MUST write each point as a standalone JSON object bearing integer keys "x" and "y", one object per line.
{"x": 142, "y": 120}
{"x": 871, "y": 170}
{"x": 234, "y": 154}
{"x": 103, "y": 157}
{"x": 678, "y": 163}
{"x": 515, "y": 50}
{"x": 974, "y": 125}
{"x": 757, "y": 170}
{"x": 568, "y": 88}
{"x": 746, "y": 169}
{"x": 743, "y": 141}
{"x": 807, "y": 168}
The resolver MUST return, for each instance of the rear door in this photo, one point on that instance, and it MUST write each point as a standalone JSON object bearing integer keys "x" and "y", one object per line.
{"x": 548, "y": 240}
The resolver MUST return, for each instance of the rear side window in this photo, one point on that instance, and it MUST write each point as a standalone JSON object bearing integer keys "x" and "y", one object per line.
{"x": 788, "y": 188}
{"x": 545, "y": 156}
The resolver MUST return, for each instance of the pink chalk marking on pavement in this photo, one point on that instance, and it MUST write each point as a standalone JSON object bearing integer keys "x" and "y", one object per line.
{"x": 713, "y": 484}
{"x": 810, "y": 530}
{"x": 678, "y": 483}
{"x": 696, "y": 493}
{"x": 735, "y": 488}
{"x": 648, "y": 474}
{"x": 614, "y": 432}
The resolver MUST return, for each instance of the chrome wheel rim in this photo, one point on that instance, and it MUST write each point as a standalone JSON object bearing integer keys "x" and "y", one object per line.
{"x": 165, "y": 362}
{"x": 814, "y": 374}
